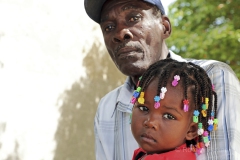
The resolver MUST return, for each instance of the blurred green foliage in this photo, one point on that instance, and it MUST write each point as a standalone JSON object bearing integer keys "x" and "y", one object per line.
{"x": 206, "y": 29}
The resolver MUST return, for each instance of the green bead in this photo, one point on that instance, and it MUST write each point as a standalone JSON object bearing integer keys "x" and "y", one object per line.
{"x": 139, "y": 89}
{"x": 215, "y": 121}
{"x": 200, "y": 125}
{"x": 204, "y": 107}
{"x": 205, "y": 139}
{"x": 195, "y": 119}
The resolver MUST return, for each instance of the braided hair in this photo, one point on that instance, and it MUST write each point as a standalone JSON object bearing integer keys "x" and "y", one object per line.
{"x": 193, "y": 79}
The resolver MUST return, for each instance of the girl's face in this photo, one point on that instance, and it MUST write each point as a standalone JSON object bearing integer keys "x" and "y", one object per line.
{"x": 166, "y": 128}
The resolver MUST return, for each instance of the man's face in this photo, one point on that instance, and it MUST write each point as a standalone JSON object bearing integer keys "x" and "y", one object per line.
{"x": 133, "y": 35}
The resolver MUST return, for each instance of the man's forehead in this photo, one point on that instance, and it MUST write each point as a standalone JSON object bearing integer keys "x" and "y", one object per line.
{"x": 122, "y": 6}
{"x": 95, "y": 7}
{"x": 130, "y": 4}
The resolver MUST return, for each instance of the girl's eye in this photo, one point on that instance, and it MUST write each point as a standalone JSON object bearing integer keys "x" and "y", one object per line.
{"x": 143, "y": 108}
{"x": 168, "y": 116}
{"x": 109, "y": 28}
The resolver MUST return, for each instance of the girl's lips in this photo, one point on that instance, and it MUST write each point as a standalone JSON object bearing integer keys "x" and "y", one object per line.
{"x": 147, "y": 138}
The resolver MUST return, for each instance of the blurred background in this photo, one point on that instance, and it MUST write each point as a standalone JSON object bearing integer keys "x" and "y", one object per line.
{"x": 54, "y": 69}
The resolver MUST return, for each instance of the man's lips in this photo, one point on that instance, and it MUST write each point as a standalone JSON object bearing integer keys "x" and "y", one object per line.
{"x": 147, "y": 138}
{"x": 125, "y": 51}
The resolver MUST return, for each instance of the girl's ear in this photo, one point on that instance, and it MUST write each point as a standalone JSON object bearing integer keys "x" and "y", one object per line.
{"x": 167, "y": 29}
{"x": 192, "y": 132}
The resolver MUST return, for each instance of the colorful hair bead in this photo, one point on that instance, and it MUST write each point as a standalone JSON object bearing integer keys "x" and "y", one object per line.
{"x": 175, "y": 80}
{"x": 133, "y": 100}
{"x": 200, "y": 129}
{"x": 212, "y": 115}
{"x": 141, "y": 98}
{"x": 204, "y": 107}
{"x": 135, "y": 95}
{"x": 139, "y": 81}
{"x": 199, "y": 151}
{"x": 201, "y": 144}
{"x": 139, "y": 89}
{"x": 215, "y": 122}
{"x": 210, "y": 128}
{"x": 205, "y": 133}
{"x": 156, "y": 104}
{"x": 206, "y": 102}
{"x": 186, "y": 105}
{"x": 195, "y": 117}
{"x": 205, "y": 137}
{"x": 213, "y": 87}
{"x": 163, "y": 91}
{"x": 207, "y": 143}
{"x": 210, "y": 123}
{"x": 192, "y": 148}
{"x": 204, "y": 113}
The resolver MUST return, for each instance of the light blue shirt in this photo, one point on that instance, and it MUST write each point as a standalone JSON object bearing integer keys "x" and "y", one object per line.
{"x": 113, "y": 136}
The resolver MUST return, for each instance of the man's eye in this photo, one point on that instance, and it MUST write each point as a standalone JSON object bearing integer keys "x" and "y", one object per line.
{"x": 134, "y": 18}
{"x": 109, "y": 28}
{"x": 143, "y": 108}
{"x": 168, "y": 116}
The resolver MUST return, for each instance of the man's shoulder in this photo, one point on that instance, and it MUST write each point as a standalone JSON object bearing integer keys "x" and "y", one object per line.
{"x": 206, "y": 64}
{"x": 107, "y": 104}
{"x": 111, "y": 96}
{"x": 211, "y": 64}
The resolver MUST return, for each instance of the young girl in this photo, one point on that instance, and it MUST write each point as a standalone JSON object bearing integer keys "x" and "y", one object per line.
{"x": 174, "y": 111}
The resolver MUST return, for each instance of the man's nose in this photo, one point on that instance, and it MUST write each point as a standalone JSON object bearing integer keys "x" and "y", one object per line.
{"x": 151, "y": 122}
{"x": 123, "y": 34}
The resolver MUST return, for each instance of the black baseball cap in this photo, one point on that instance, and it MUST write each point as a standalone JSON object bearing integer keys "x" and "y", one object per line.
{"x": 94, "y": 7}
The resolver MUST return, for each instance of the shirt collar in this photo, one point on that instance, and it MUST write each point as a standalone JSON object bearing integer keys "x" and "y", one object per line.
{"x": 124, "y": 98}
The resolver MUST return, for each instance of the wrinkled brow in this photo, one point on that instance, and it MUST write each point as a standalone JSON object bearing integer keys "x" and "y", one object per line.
{"x": 124, "y": 8}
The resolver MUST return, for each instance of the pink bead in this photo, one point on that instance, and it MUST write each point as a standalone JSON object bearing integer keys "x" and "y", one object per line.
{"x": 133, "y": 100}
{"x": 199, "y": 151}
{"x": 205, "y": 133}
{"x": 185, "y": 107}
{"x": 174, "y": 83}
{"x": 156, "y": 105}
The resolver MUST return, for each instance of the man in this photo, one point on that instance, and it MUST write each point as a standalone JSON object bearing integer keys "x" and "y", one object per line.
{"x": 134, "y": 32}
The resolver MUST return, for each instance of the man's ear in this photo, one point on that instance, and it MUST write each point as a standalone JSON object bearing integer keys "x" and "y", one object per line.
{"x": 192, "y": 131}
{"x": 167, "y": 28}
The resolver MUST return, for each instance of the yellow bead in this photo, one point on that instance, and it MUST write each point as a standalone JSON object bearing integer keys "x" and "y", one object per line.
{"x": 141, "y": 100}
{"x": 204, "y": 113}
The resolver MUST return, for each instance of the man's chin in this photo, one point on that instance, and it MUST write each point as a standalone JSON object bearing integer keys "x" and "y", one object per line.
{"x": 133, "y": 71}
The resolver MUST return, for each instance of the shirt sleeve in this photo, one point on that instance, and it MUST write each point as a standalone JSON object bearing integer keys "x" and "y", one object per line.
{"x": 225, "y": 141}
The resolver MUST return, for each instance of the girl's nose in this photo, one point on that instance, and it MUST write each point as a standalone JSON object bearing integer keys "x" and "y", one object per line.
{"x": 151, "y": 123}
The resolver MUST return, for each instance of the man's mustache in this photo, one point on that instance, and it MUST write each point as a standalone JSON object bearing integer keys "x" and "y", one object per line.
{"x": 129, "y": 44}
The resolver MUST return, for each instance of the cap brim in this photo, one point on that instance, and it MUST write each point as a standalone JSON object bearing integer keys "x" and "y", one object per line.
{"x": 93, "y": 9}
